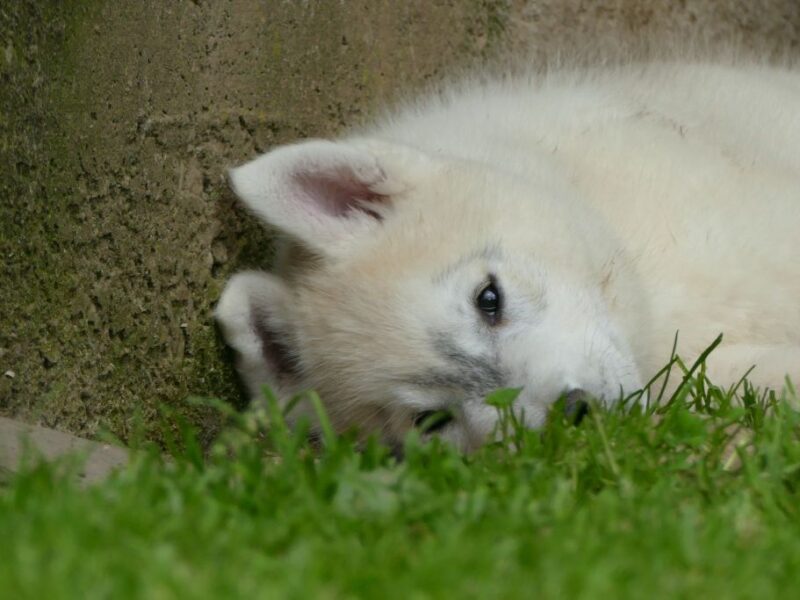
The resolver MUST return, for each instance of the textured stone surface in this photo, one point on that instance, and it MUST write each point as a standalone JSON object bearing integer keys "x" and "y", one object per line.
{"x": 118, "y": 119}
{"x": 21, "y": 443}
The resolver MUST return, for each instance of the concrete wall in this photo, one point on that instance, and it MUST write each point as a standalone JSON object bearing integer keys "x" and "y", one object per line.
{"x": 117, "y": 120}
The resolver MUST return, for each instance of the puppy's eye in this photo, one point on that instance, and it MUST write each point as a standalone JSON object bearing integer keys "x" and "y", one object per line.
{"x": 431, "y": 421}
{"x": 489, "y": 302}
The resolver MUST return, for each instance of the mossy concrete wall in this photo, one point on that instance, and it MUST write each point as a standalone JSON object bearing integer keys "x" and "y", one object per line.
{"x": 118, "y": 120}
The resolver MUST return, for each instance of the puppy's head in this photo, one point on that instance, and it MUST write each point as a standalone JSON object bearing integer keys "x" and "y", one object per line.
{"x": 433, "y": 282}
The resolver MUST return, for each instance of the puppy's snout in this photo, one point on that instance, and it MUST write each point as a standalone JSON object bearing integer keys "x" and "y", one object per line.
{"x": 576, "y": 405}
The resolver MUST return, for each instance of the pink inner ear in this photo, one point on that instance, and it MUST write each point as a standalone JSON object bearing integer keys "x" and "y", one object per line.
{"x": 338, "y": 192}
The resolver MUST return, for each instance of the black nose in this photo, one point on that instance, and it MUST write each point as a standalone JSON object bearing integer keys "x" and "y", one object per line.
{"x": 576, "y": 405}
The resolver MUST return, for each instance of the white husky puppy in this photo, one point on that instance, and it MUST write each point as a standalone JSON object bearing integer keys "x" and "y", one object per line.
{"x": 550, "y": 233}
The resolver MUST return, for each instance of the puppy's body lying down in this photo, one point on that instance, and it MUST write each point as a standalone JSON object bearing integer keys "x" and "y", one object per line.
{"x": 546, "y": 233}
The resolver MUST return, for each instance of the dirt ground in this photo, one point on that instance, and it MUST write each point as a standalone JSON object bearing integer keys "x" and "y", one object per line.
{"x": 118, "y": 120}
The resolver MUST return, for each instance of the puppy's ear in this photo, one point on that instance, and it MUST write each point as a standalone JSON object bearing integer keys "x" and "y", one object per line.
{"x": 326, "y": 194}
{"x": 252, "y": 314}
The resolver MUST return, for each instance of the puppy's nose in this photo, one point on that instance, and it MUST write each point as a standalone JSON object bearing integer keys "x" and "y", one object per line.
{"x": 576, "y": 405}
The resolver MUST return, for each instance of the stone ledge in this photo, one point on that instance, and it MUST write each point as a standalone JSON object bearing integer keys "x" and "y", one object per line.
{"x": 16, "y": 436}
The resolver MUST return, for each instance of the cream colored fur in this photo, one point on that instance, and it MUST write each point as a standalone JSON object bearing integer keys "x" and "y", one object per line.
{"x": 613, "y": 207}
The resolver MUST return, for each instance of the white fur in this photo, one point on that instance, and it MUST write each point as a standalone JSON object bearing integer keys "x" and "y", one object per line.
{"x": 613, "y": 207}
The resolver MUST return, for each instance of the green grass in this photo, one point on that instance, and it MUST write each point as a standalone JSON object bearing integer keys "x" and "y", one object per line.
{"x": 645, "y": 504}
